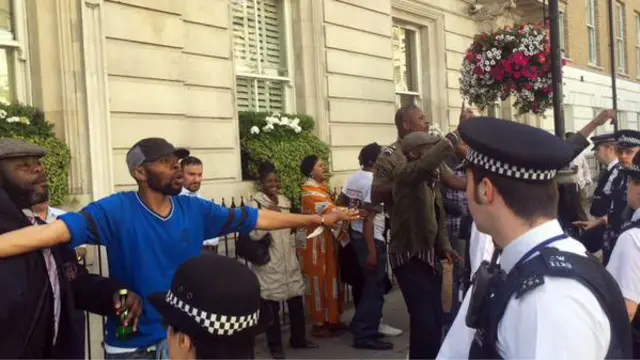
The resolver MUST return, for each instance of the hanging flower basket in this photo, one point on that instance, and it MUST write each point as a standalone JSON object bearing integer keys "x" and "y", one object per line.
{"x": 510, "y": 61}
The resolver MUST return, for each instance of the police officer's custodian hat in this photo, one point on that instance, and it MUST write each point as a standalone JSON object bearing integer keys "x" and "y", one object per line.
{"x": 603, "y": 139}
{"x": 514, "y": 150}
{"x": 627, "y": 138}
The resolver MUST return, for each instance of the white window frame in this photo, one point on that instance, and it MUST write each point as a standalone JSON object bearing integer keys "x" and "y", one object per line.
{"x": 620, "y": 37}
{"x": 18, "y": 60}
{"x": 287, "y": 81}
{"x": 638, "y": 45}
{"x": 416, "y": 62}
{"x": 592, "y": 31}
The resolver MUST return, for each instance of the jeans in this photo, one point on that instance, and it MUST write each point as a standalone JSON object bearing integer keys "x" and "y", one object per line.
{"x": 369, "y": 308}
{"x": 297, "y": 322}
{"x": 161, "y": 352}
{"x": 421, "y": 287}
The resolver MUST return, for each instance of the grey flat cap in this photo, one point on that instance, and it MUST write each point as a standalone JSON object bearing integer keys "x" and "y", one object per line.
{"x": 416, "y": 139}
{"x": 14, "y": 148}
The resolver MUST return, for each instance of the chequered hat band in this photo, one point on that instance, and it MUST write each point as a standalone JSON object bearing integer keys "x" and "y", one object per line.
{"x": 502, "y": 168}
{"x": 216, "y": 324}
{"x": 628, "y": 140}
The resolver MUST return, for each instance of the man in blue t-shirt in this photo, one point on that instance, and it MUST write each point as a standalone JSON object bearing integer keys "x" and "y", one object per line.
{"x": 150, "y": 233}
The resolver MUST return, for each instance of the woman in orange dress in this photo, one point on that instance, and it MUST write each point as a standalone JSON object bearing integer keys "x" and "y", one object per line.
{"x": 319, "y": 256}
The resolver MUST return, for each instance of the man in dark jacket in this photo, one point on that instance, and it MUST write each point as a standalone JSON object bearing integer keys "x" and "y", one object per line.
{"x": 41, "y": 290}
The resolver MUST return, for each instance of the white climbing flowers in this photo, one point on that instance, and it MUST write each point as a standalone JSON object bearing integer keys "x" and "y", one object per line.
{"x": 276, "y": 120}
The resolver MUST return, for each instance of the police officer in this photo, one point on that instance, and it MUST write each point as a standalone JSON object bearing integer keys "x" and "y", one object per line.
{"x": 547, "y": 299}
{"x": 605, "y": 152}
{"x": 624, "y": 264}
{"x": 627, "y": 145}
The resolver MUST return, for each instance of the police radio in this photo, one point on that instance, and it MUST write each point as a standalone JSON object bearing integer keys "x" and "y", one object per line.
{"x": 486, "y": 281}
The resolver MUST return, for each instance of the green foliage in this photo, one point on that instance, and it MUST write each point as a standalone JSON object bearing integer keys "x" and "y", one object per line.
{"x": 282, "y": 146}
{"x": 28, "y": 123}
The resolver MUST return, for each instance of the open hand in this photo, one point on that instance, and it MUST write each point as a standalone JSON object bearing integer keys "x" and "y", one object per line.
{"x": 333, "y": 218}
{"x": 133, "y": 304}
{"x": 604, "y": 116}
{"x": 465, "y": 113}
{"x": 452, "y": 256}
{"x": 587, "y": 225}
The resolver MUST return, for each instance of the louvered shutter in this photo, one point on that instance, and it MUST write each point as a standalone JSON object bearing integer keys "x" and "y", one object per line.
{"x": 258, "y": 52}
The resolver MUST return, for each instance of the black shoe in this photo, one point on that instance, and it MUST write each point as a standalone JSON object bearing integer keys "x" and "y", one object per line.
{"x": 380, "y": 335}
{"x": 373, "y": 345}
{"x": 306, "y": 345}
{"x": 277, "y": 353}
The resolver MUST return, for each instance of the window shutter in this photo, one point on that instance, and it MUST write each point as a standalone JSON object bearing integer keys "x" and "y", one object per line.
{"x": 260, "y": 53}
{"x": 259, "y": 95}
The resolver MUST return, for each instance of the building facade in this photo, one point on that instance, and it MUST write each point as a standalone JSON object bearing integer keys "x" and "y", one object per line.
{"x": 110, "y": 72}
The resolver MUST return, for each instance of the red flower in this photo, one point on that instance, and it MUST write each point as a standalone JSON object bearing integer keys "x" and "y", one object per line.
{"x": 542, "y": 58}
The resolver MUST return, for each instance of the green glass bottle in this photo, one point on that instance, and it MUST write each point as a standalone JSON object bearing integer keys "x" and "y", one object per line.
{"x": 123, "y": 332}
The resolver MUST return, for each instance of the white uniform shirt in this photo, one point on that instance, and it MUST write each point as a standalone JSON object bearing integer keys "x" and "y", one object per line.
{"x": 208, "y": 242}
{"x": 358, "y": 188}
{"x": 624, "y": 265}
{"x": 561, "y": 319}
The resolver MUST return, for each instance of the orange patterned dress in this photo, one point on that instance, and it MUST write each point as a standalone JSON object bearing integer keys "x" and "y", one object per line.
{"x": 319, "y": 259}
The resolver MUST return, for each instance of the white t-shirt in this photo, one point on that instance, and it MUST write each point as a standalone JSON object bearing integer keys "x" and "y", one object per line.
{"x": 624, "y": 265}
{"x": 358, "y": 190}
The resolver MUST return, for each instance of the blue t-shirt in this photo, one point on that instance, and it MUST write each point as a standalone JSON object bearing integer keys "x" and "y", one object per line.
{"x": 145, "y": 249}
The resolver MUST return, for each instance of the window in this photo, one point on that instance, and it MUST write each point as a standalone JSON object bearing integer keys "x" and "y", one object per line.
{"x": 260, "y": 49}
{"x": 638, "y": 45}
{"x": 592, "y": 31}
{"x": 406, "y": 64}
{"x": 562, "y": 24}
{"x": 9, "y": 50}
{"x": 621, "y": 51}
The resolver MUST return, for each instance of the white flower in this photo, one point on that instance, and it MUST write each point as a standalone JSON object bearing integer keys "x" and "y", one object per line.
{"x": 3, "y": 114}
{"x": 297, "y": 129}
{"x": 25, "y": 120}
{"x": 268, "y": 128}
{"x": 254, "y": 130}
{"x": 13, "y": 119}
{"x": 285, "y": 121}
{"x": 295, "y": 121}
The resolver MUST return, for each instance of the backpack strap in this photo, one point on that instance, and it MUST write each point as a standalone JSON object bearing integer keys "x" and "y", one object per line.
{"x": 552, "y": 262}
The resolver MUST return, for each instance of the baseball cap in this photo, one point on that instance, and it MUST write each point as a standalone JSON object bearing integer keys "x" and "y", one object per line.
{"x": 152, "y": 149}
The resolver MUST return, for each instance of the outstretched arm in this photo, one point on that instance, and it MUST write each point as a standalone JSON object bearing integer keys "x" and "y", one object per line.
{"x": 273, "y": 220}
{"x": 33, "y": 238}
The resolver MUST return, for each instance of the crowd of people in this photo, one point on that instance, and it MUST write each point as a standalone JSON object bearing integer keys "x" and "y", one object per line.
{"x": 491, "y": 213}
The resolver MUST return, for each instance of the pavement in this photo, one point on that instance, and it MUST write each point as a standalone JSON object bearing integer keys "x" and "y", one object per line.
{"x": 395, "y": 314}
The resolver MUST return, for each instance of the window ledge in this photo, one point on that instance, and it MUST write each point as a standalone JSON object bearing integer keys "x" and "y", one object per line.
{"x": 597, "y": 67}
{"x": 624, "y": 75}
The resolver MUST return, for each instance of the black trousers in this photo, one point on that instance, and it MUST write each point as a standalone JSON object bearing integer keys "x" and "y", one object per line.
{"x": 421, "y": 288}
{"x": 297, "y": 323}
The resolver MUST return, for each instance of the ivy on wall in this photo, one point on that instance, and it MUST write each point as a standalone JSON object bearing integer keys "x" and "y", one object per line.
{"x": 28, "y": 123}
{"x": 283, "y": 139}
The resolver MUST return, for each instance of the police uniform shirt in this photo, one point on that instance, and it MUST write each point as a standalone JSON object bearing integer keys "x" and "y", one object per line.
{"x": 457, "y": 343}
{"x": 624, "y": 264}
{"x": 560, "y": 320}
{"x": 602, "y": 193}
